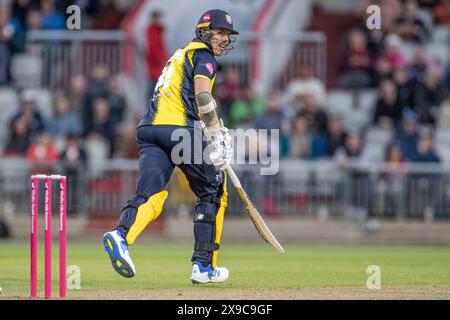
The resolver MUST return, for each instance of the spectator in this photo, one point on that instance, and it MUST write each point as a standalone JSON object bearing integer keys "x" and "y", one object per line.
{"x": 336, "y": 135}
{"x": 390, "y": 10}
{"x": 34, "y": 20}
{"x": 318, "y": 123}
{"x": 428, "y": 4}
{"x": 358, "y": 189}
{"x": 305, "y": 83}
{"x": 77, "y": 93}
{"x": 98, "y": 84}
{"x": 229, "y": 91}
{"x": 430, "y": 94}
{"x": 408, "y": 135}
{"x": 64, "y": 120}
{"x": 375, "y": 39}
{"x": 392, "y": 52}
{"x": 441, "y": 13}
{"x": 388, "y": 112}
{"x": 19, "y": 138}
{"x": 42, "y": 150}
{"x": 20, "y": 9}
{"x": 101, "y": 124}
{"x": 156, "y": 49}
{"x": 405, "y": 89}
{"x": 52, "y": 19}
{"x": 425, "y": 150}
{"x": 351, "y": 151}
{"x": 96, "y": 88}
{"x": 299, "y": 139}
{"x": 394, "y": 155}
{"x": 116, "y": 101}
{"x": 391, "y": 182}
{"x": 74, "y": 161}
{"x": 409, "y": 25}
{"x": 112, "y": 13}
{"x": 312, "y": 110}
{"x": 425, "y": 184}
{"x": 73, "y": 156}
{"x": 127, "y": 133}
{"x": 356, "y": 62}
{"x": 245, "y": 109}
{"x": 421, "y": 62}
{"x": 390, "y": 58}
{"x": 274, "y": 119}
{"x": 11, "y": 40}
{"x": 444, "y": 114}
{"x": 29, "y": 112}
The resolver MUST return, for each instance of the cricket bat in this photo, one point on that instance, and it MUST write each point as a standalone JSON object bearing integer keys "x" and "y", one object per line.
{"x": 256, "y": 218}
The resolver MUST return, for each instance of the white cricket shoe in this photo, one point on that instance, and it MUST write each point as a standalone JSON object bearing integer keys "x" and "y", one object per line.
{"x": 201, "y": 274}
{"x": 117, "y": 249}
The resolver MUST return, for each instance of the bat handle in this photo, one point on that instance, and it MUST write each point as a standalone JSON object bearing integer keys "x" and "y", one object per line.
{"x": 230, "y": 172}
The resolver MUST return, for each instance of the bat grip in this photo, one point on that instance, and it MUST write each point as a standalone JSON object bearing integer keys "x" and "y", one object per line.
{"x": 233, "y": 177}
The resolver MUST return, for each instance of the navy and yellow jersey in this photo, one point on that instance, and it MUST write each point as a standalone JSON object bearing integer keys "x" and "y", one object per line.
{"x": 173, "y": 100}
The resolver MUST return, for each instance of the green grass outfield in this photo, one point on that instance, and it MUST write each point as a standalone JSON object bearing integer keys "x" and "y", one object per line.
{"x": 256, "y": 272}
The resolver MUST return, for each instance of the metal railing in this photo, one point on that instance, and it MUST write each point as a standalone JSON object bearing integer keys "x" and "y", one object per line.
{"x": 270, "y": 61}
{"x": 321, "y": 189}
{"x": 265, "y": 61}
{"x": 66, "y": 53}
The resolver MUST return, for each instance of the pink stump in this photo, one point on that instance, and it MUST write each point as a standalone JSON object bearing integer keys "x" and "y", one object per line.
{"x": 33, "y": 236}
{"x": 48, "y": 236}
{"x": 62, "y": 236}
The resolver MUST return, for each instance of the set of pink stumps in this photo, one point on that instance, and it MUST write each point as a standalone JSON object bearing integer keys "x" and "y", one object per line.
{"x": 48, "y": 183}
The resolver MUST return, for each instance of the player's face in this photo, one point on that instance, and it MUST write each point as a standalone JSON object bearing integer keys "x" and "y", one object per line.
{"x": 219, "y": 41}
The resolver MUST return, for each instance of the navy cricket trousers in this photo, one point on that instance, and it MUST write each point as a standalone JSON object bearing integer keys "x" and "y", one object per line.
{"x": 156, "y": 164}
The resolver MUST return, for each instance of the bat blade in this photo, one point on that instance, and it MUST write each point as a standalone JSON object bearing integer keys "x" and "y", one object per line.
{"x": 258, "y": 221}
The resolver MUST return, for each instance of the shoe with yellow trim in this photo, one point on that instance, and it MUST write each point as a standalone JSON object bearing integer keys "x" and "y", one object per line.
{"x": 117, "y": 249}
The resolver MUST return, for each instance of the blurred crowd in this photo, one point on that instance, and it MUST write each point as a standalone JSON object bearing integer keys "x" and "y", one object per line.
{"x": 91, "y": 118}
{"x": 18, "y": 17}
{"x": 82, "y": 121}
{"x": 412, "y": 102}
{"x": 412, "y": 95}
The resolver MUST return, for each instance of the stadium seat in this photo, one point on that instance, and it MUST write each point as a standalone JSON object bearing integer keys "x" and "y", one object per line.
{"x": 295, "y": 177}
{"x": 440, "y": 51}
{"x": 374, "y": 151}
{"x": 443, "y": 152}
{"x": 442, "y": 137}
{"x": 97, "y": 153}
{"x": 441, "y": 34}
{"x": 327, "y": 176}
{"x": 378, "y": 136}
{"x": 367, "y": 99}
{"x": 427, "y": 16}
{"x": 340, "y": 102}
{"x": 407, "y": 49}
{"x": 26, "y": 70}
{"x": 357, "y": 119}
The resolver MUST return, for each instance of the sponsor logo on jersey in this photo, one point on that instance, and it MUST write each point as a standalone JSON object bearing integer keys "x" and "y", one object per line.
{"x": 210, "y": 68}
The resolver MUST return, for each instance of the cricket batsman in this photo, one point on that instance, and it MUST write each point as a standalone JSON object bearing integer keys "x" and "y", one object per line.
{"x": 182, "y": 97}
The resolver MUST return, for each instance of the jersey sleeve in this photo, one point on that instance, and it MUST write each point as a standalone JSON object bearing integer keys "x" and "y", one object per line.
{"x": 205, "y": 65}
